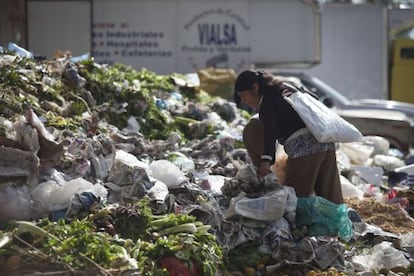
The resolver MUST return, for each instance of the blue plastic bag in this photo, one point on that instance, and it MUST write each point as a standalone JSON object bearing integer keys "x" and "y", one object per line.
{"x": 323, "y": 217}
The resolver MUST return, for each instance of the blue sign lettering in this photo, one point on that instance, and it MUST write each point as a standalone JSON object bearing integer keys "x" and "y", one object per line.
{"x": 217, "y": 34}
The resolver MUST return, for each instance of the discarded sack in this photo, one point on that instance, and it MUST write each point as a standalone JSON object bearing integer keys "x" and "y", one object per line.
{"x": 322, "y": 122}
{"x": 269, "y": 207}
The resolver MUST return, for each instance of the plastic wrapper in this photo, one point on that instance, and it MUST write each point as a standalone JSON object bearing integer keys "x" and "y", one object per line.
{"x": 60, "y": 197}
{"x": 323, "y": 217}
{"x": 165, "y": 171}
{"x": 349, "y": 189}
{"x": 269, "y": 207}
{"x": 388, "y": 162}
{"x": 382, "y": 255}
{"x": 358, "y": 153}
{"x": 15, "y": 203}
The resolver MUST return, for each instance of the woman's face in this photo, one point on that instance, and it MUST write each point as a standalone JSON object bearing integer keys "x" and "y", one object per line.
{"x": 251, "y": 97}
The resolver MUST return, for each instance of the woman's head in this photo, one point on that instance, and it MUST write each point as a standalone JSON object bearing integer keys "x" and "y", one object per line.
{"x": 245, "y": 80}
{"x": 251, "y": 85}
{"x": 246, "y": 88}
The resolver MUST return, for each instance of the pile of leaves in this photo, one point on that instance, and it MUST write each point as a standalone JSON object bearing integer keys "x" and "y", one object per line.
{"x": 111, "y": 241}
{"x": 66, "y": 92}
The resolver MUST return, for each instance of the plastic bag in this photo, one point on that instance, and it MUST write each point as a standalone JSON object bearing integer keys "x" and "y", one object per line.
{"x": 388, "y": 162}
{"x": 323, "y": 217}
{"x": 15, "y": 203}
{"x": 358, "y": 153}
{"x": 382, "y": 255}
{"x": 60, "y": 197}
{"x": 269, "y": 207}
{"x": 167, "y": 172}
{"x": 350, "y": 190}
{"x": 20, "y": 51}
{"x": 322, "y": 122}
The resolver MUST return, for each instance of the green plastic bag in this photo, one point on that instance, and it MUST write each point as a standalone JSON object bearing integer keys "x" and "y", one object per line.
{"x": 323, "y": 217}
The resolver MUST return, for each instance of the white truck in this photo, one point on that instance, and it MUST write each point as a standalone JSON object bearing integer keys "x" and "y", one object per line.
{"x": 181, "y": 36}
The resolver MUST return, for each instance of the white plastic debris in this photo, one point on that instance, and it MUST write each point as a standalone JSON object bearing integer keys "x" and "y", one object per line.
{"x": 213, "y": 182}
{"x": 269, "y": 207}
{"x": 41, "y": 197}
{"x": 60, "y": 197}
{"x": 369, "y": 175}
{"x": 409, "y": 169}
{"x": 382, "y": 255}
{"x": 19, "y": 50}
{"x": 165, "y": 171}
{"x": 15, "y": 203}
{"x": 124, "y": 160}
{"x": 388, "y": 162}
{"x": 158, "y": 192}
{"x": 349, "y": 190}
{"x": 133, "y": 125}
{"x": 182, "y": 161}
{"x": 357, "y": 152}
{"x": 380, "y": 144}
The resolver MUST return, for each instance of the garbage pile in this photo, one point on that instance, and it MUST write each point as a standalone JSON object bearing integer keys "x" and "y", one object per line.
{"x": 112, "y": 171}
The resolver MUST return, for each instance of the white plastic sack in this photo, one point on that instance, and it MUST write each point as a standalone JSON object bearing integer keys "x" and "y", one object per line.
{"x": 349, "y": 190}
{"x": 343, "y": 160}
{"x": 15, "y": 203}
{"x": 158, "y": 192}
{"x": 388, "y": 162}
{"x": 59, "y": 198}
{"x": 380, "y": 144}
{"x": 41, "y": 197}
{"x": 358, "y": 153}
{"x": 269, "y": 207}
{"x": 322, "y": 122}
{"x": 382, "y": 255}
{"x": 165, "y": 171}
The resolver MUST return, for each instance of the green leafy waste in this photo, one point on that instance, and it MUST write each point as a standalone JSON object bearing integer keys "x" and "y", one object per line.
{"x": 81, "y": 245}
{"x": 109, "y": 92}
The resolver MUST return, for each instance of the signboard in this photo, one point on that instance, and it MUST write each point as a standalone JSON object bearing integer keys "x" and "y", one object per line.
{"x": 184, "y": 35}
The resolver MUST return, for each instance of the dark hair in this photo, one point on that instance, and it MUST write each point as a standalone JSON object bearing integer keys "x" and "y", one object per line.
{"x": 245, "y": 80}
{"x": 267, "y": 83}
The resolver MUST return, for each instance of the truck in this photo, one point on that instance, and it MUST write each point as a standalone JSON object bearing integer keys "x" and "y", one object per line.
{"x": 401, "y": 70}
{"x": 401, "y": 54}
{"x": 180, "y": 36}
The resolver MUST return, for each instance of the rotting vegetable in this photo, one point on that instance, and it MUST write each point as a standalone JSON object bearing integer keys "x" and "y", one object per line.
{"x": 79, "y": 245}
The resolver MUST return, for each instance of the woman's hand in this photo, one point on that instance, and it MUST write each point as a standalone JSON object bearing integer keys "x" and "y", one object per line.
{"x": 264, "y": 169}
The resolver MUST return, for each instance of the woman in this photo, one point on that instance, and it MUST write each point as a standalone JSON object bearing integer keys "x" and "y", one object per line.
{"x": 311, "y": 166}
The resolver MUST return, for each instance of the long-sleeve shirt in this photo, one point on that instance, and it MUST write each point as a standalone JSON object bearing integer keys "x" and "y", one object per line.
{"x": 279, "y": 120}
